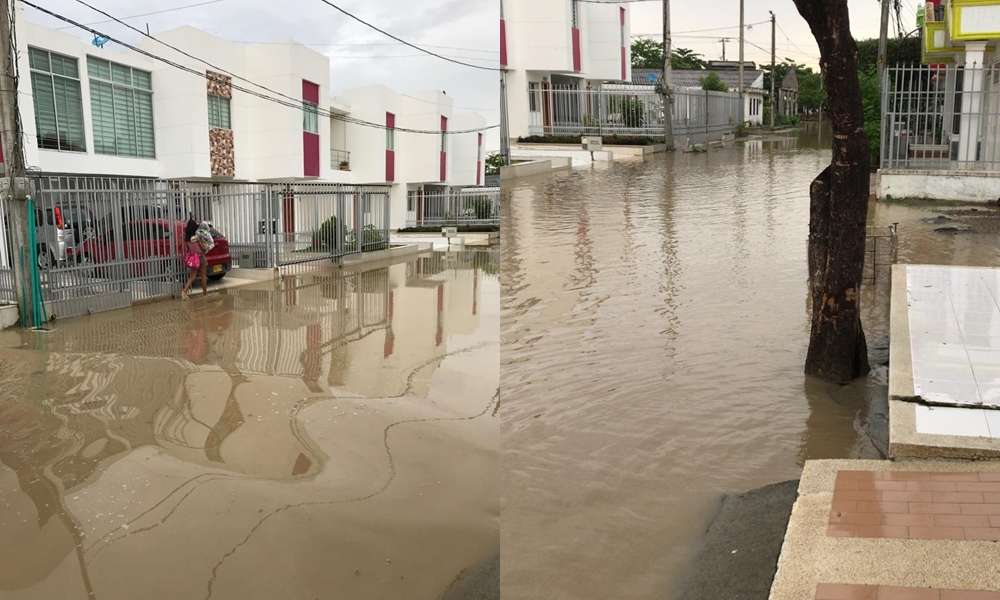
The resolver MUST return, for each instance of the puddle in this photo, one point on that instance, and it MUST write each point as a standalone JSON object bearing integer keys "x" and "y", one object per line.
{"x": 333, "y": 431}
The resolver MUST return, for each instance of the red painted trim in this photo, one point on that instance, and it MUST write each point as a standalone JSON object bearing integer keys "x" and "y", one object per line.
{"x": 479, "y": 172}
{"x": 576, "y": 49}
{"x": 390, "y": 154}
{"x": 623, "y": 64}
{"x": 444, "y": 154}
{"x": 503, "y": 43}
{"x": 621, "y": 16}
{"x": 479, "y": 163}
{"x": 310, "y": 154}
{"x": 310, "y": 91}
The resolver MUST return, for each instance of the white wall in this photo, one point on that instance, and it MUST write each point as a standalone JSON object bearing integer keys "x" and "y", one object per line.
{"x": 538, "y": 35}
{"x": 601, "y": 42}
{"x": 65, "y": 161}
{"x": 464, "y": 149}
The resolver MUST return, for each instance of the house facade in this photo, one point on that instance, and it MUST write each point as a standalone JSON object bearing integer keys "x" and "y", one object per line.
{"x": 728, "y": 72}
{"x": 99, "y": 110}
{"x": 941, "y": 120}
{"x": 555, "y": 47}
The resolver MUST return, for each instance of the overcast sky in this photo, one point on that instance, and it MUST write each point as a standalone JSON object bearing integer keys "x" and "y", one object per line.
{"x": 792, "y": 38}
{"x": 464, "y": 29}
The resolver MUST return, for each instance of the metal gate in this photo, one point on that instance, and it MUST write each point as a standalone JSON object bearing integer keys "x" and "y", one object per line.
{"x": 107, "y": 242}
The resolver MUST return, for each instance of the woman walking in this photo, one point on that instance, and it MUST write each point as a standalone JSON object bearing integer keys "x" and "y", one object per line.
{"x": 194, "y": 258}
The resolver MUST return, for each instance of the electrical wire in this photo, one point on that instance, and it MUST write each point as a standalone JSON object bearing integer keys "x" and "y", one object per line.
{"x": 295, "y": 103}
{"x": 149, "y": 14}
{"x": 402, "y": 41}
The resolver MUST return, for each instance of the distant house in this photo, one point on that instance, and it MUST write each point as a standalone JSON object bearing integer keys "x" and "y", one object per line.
{"x": 788, "y": 95}
{"x": 728, "y": 72}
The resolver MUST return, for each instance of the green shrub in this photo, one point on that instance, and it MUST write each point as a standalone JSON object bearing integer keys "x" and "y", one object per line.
{"x": 712, "y": 83}
{"x": 371, "y": 238}
{"x": 494, "y": 161}
{"x": 325, "y": 238}
{"x": 871, "y": 105}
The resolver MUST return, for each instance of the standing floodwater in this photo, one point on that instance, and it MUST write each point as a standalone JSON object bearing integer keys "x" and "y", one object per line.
{"x": 332, "y": 434}
{"x": 654, "y": 326}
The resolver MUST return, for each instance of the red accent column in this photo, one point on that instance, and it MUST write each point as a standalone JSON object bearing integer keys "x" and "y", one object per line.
{"x": 444, "y": 154}
{"x": 390, "y": 153}
{"x": 576, "y": 49}
{"x": 310, "y": 141}
{"x": 479, "y": 162}
{"x": 503, "y": 43}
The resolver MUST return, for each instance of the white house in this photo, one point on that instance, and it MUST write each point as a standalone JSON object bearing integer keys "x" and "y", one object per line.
{"x": 103, "y": 110}
{"x": 559, "y": 44}
{"x": 728, "y": 73}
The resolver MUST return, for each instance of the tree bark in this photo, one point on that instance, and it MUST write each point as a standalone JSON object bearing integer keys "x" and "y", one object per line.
{"x": 838, "y": 205}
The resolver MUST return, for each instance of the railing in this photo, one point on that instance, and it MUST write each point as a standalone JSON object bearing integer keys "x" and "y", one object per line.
{"x": 622, "y": 109}
{"x": 7, "y": 294}
{"x": 881, "y": 243}
{"x": 473, "y": 207}
{"x": 106, "y": 242}
{"x": 941, "y": 118}
{"x": 340, "y": 160}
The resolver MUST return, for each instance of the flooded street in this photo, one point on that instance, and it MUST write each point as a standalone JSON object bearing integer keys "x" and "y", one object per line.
{"x": 333, "y": 434}
{"x": 654, "y": 327}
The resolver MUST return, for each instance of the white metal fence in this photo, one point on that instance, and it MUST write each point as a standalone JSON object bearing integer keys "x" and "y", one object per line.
{"x": 106, "y": 242}
{"x": 471, "y": 207}
{"x": 630, "y": 110}
{"x": 941, "y": 117}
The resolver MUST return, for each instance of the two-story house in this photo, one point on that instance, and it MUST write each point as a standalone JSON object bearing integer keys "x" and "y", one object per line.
{"x": 89, "y": 109}
{"x": 559, "y": 45}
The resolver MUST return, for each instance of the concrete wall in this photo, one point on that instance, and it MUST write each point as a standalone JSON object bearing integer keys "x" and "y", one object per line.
{"x": 538, "y": 35}
{"x": 939, "y": 185}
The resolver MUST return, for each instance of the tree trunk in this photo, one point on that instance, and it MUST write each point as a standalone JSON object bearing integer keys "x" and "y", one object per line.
{"x": 838, "y": 205}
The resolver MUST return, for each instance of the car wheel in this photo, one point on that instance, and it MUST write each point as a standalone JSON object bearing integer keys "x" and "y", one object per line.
{"x": 217, "y": 276}
{"x": 45, "y": 259}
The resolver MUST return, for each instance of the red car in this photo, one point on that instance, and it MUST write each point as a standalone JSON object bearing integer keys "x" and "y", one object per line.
{"x": 149, "y": 239}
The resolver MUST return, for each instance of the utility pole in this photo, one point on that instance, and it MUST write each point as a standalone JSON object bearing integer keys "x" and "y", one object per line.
{"x": 742, "y": 112}
{"x": 774, "y": 74}
{"x": 723, "y": 40}
{"x": 668, "y": 99}
{"x": 883, "y": 39}
{"x": 15, "y": 190}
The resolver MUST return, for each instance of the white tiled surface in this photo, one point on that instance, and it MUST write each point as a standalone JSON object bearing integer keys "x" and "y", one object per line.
{"x": 949, "y": 420}
{"x": 954, "y": 315}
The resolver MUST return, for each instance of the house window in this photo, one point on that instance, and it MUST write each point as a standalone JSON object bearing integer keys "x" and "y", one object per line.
{"x": 310, "y": 117}
{"x": 218, "y": 112}
{"x": 390, "y": 131}
{"x": 55, "y": 86}
{"x": 121, "y": 107}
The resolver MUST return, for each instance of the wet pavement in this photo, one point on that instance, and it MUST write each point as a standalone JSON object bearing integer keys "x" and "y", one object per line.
{"x": 331, "y": 435}
{"x": 654, "y": 325}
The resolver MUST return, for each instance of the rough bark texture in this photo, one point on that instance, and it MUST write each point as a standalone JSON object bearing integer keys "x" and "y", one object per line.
{"x": 838, "y": 205}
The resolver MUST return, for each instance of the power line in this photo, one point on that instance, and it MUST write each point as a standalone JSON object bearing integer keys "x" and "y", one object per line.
{"x": 745, "y": 26}
{"x": 365, "y": 44}
{"x": 294, "y": 103}
{"x": 149, "y": 14}
{"x": 789, "y": 39}
{"x": 402, "y": 41}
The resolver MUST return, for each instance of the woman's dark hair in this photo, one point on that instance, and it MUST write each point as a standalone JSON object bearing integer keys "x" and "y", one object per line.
{"x": 191, "y": 229}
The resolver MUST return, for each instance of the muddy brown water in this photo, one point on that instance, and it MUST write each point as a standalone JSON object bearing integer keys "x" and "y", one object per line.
{"x": 331, "y": 435}
{"x": 654, "y": 324}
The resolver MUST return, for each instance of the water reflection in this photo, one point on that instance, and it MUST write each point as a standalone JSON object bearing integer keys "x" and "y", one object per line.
{"x": 114, "y": 425}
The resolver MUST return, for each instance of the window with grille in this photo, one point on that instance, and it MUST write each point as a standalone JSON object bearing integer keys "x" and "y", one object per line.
{"x": 55, "y": 87}
{"x": 218, "y": 112}
{"x": 310, "y": 117}
{"x": 121, "y": 106}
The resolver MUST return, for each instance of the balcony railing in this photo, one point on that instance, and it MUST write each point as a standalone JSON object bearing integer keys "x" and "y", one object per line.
{"x": 340, "y": 160}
